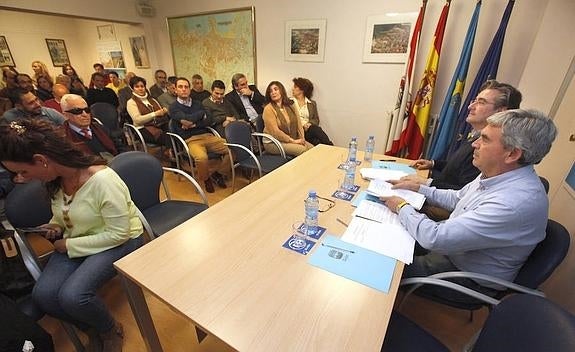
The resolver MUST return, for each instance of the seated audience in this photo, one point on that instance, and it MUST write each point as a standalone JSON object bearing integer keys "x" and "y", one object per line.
{"x": 221, "y": 111}
{"x": 246, "y": 100}
{"x": 9, "y": 75}
{"x": 94, "y": 224}
{"x": 69, "y": 71}
{"x": 159, "y": 87}
{"x": 27, "y": 106}
{"x": 198, "y": 92}
{"x": 167, "y": 98}
{"x": 58, "y": 91}
{"x": 44, "y": 90}
{"x": 115, "y": 83}
{"x": 25, "y": 82}
{"x": 189, "y": 122}
{"x": 147, "y": 114}
{"x": 40, "y": 69}
{"x": 498, "y": 218}
{"x": 101, "y": 94}
{"x": 78, "y": 87}
{"x": 65, "y": 81}
{"x": 91, "y": 138}
{"x": 307, "y": 111}
{"x": 99, "y": 68}
{"x": 282, "y": 122}
{"x": 124, "y": 95}
{"x": 458, "y": 169}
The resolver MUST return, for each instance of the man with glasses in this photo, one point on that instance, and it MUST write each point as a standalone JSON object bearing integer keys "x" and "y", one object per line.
{"x": 458, "y": 170}
{"x": 89, "y": 137}
{"x": 27, "y": 105}
{"x": 159, "y": 87}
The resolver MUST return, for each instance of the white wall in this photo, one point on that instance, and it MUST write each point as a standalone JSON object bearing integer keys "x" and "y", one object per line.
{"x": 353, "y": 98}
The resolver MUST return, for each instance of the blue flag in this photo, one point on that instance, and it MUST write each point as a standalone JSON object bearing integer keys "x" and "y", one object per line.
{"x": 488, "y": 70}
{"x": 452, "y": 102}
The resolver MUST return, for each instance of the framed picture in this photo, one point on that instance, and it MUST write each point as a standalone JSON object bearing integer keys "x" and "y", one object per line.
{"x": 106, "y": 32}
{"x": 305, "y": 40}
{"x": 6, "y": 58}
{"x": 58, "y": 52}
{"x": 110, "y": 54}
{"x": 387, "y": 38}
{"x": 215, "y": 45}
{"x": 140, "y": 52}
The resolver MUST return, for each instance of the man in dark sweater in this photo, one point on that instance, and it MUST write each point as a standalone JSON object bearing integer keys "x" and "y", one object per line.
{"x": 198, "y": 91}
{"x": 220, "y": 110}
{"x": 101, "y": 94}
{"x": 458, "y": 170}
{"x": 190, "y": 122}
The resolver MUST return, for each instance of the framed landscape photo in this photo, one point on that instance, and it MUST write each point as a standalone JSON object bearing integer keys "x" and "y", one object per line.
{"x": 305, "y": 40}
{"x": 387, "y": 38}
{"x": 215, "y": 45}
{"x": 58, "y": 52}
{"x": 6, "y": 58}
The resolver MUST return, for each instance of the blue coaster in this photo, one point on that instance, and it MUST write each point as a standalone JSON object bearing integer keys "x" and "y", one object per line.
{"x": 353, "y": 188}
{"x": 296, "y": 245}
{"x": 316, "y": 234}
{"x": 342, "y": 195}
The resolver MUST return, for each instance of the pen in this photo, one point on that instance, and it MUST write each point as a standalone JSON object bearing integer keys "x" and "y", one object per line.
{"x": 340, "y": 249}
{"x": 341, "y": 222}
{"x": 366, "y": 218}
{"x": 390, "y": 160}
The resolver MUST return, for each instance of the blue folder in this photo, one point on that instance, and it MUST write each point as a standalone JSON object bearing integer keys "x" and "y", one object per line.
{"x": 391, "y": 165}
{"x": 355, "y": 263}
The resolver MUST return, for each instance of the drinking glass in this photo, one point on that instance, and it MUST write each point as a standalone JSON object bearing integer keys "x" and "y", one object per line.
{"x": 299, "y": 235}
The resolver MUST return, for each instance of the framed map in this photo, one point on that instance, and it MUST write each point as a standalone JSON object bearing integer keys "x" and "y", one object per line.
{"x": 215, "y": 45}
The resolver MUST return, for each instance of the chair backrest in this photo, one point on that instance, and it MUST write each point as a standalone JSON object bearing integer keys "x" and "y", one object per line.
{"x": 143, "y": 175}
{"x": 545, "y": 184}
{"x": 546, "y": 256}
{"x": 259, "y": 124}
{"x": 106, "y": 113}
{"x": 28, "y": 205}
{"x": 238, "y": 132}
{"x": 527, "y": 323}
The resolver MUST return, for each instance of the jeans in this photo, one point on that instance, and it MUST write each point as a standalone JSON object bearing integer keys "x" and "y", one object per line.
{"x": 433, "y": 263}
{"x": 67, "y": 287}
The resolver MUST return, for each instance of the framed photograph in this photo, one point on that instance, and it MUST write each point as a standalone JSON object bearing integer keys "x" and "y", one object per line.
{"x": 305, "y": 40}
{"x": 110, "y": 54}
{"x": 58, "y": 52}
{"x": 106, "y": 32}
{"x": 387, "y": 38}
{"x": 6, "y": 58}
{"x": 215, "y": 45}
{"x": 140, "y": 52}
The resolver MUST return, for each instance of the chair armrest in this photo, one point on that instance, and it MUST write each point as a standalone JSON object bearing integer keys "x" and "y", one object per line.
{"x": 181, "y": 149}
{"x": 419, "y": 281}
{"x": 135, "y": 131}
{"x": 488, "y": 278}
{"x": 189, "y": 178}
{"x": 97, "y": 120}
{"x": 247, "y": 150}
{"x": 214, "y": 132}
{"x": 273, "y": 140}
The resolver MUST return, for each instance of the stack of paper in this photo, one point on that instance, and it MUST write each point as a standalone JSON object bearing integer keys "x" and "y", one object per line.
{"x": 381, "y": 174}
{"x": 381, "y": 188}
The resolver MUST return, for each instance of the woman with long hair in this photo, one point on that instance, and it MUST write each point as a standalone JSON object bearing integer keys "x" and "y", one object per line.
{"x": 282, "y": 122}
{"x": 307, "y": 111}
{"x": 44, "y": 89}
{"x": 94, "y": 224}
{"x": 40, "y": 69}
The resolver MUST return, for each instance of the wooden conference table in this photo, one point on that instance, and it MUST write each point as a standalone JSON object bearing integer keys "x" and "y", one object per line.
{"x": 226, "y": 270}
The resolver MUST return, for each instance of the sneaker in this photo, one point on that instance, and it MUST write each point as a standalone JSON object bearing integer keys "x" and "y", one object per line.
{"x": 209, "y": 186}
{"x": 113, "y": 340}
{"x": 219, "y": 180}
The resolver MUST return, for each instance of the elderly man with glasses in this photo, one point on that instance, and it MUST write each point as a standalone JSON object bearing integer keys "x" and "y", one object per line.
{"x": 89, "y": 137}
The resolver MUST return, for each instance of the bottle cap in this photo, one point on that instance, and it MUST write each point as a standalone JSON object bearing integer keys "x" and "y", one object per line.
{"x": 371, "y": 137}
{"x": 312, "y": 193}
{"x": 354, "y": 138}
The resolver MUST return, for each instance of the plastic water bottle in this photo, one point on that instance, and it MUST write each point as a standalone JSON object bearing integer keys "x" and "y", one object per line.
{"x": 352, "y": 149}
{"x": 349, "y": 179}
{"x": 311, "y": 211}
{"x": 369, "y": 147}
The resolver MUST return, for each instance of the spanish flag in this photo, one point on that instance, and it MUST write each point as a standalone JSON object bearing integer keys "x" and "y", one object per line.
{"x": 413, "y": 137}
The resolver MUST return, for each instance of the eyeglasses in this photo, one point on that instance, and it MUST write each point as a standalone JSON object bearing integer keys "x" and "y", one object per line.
{"x": 78, "y": 111}
{"x": 325, "y": 207}
{"x": 480, "y": 101}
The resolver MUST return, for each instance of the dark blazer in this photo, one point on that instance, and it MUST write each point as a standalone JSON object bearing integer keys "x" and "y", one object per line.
{"x": 156, "y": 91}
{"x": 457, "y": 171}
{"x": 82, "y": 143}
{"x": 257, "y": 100}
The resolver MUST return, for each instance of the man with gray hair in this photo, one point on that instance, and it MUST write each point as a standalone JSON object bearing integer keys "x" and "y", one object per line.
{"x": 246, "y": 99}
{"x": 498, "y": 218}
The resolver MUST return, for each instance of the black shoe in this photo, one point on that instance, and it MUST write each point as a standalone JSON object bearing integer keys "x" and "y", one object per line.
{"x": 209, "y": 186}
{"x": 219, "y": 180}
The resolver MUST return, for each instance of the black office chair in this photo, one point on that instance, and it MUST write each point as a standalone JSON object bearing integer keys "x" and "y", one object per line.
{"x": 518, "y": 323}
{"x": 545, "y": 184}
{"x": 28, "y": 205}
{"x": 540, "y": 264}
{"x": 107, "y": 114}
{"x": 239, "y": 137}
{"x": 143, "y": 174}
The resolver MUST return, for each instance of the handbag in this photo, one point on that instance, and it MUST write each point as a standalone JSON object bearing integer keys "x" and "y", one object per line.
{"x": 15, "y": 279}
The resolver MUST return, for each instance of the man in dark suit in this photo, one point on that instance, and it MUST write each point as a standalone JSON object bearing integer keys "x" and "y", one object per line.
{"x": 246, "y": 99}
{"x": 101, "y": 94}
{"x": 159, "y": 87}
{"x": 89, "y": 137}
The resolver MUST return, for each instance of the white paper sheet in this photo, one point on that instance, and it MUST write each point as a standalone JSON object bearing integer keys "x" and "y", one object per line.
{"x": 383, "y": 189}
{"x": 381, "y": 174}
